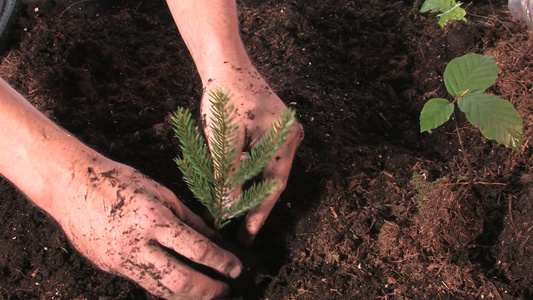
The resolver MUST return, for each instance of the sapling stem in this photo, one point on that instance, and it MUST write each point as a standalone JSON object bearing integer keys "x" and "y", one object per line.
{"x": 468, "y": 166}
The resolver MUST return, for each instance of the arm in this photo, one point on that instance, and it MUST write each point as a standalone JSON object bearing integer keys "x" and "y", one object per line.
{"x": 211, "y": 31}
{"x": 113, "y": 215}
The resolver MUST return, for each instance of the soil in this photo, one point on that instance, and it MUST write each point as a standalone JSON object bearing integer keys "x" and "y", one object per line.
{"x": 373, "y": 209}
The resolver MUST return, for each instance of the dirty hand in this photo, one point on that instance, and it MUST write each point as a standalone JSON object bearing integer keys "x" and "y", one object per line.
{"x": 130, "y": 225}
{"x": 256, "y": 108}
{"x": 122, "y": 221}
{"x": 222, "y": 61}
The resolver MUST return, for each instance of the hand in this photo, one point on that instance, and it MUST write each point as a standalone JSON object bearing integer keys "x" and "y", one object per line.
{"x": 122, "y": 221}
{"x": 130, "y": 225}
{"x": 222, "y": 61}
{"x": 257, "y": 107}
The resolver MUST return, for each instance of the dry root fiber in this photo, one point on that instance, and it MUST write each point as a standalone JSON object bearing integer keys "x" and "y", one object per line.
{"x": 449, "y": 218}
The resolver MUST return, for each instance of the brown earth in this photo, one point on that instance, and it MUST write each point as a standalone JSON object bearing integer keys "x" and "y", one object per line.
{"x": 373, "y": 210}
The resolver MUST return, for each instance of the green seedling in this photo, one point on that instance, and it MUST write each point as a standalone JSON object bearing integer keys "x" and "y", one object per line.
{"x": 210, "y": 175}
{"x": 448, "y": 10}
{"x": 466, "y": 78}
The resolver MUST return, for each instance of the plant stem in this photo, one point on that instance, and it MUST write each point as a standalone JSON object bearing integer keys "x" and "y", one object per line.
{"x": 469, "y": 167}
{"x": 415, "y": 8}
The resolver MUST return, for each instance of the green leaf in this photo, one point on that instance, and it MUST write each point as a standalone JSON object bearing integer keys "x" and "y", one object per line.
{"x": 496, "y": 118}
{"x": 437, "y": 5}
{"x": 454, "y": 14}
{"x": 471, "y": 73}
{"x": 434, "y": 113}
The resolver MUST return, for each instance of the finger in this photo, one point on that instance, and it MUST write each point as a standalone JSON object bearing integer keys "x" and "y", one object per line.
{"x": 192, "y": 245}
{"x": 185, "y": 214}
{"x": 197, "y": 223}
{"x": 164, "y": 276}
{"x": 277, "y": 169}
{"x": 208, "y": 217}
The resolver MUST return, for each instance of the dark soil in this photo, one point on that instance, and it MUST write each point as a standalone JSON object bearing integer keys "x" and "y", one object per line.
{"x": 373, "y": 209}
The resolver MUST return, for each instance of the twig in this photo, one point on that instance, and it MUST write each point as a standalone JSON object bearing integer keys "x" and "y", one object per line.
{"x": 513, "y": 225}
{"x": 335, "y": 216}
{"x": 475, "y": 182}
{"x": 470, "y": 176}
{"x": 495, "y": 289}
{"x": 70, "y": 6}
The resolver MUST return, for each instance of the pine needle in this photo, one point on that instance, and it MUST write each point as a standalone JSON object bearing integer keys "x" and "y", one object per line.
{"x": 201, "y": 188}
{"x": 224, "y": 147}
{"x": 251, "y": 198}
{"x": 267, "y": 147}
{"x": 193, "y": 144}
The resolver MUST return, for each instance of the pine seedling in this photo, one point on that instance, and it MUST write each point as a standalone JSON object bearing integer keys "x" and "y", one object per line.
{"x": 209, "y": 174}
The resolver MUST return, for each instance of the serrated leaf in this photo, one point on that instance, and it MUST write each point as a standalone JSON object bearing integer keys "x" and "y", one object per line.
{"x": 471, "y": 73}
{"x": 496, "y": 118}
{"x": 434, "y": 113}
{"x": 437, "y": 5}
{"x": 454, "y": 14}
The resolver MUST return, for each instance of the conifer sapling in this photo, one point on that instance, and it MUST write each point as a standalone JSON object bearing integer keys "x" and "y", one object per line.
{"x": 209, "y": 174}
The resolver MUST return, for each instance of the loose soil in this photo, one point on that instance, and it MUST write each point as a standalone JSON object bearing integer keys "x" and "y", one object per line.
{"x": 373, "y": 210}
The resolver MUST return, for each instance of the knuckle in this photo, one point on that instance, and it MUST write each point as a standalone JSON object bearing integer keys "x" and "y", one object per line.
{"x": 158, "y": 289}
{"x": 200, "y": 251}
{"x": 212, "y": 294}
{"x": 182, "y": 285}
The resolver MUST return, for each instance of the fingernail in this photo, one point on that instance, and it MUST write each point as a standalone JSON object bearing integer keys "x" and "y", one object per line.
{"x": 235, "y": 272}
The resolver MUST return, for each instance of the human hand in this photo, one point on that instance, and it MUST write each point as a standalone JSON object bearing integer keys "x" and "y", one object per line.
{"x": 119, "y": 219}
{"x": 256, "y": 108}
{"x": 129, "y": 225}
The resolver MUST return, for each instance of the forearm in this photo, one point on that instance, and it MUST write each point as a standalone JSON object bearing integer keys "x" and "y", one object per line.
{"x": 36, "y": 155}
{"x": 210, "y": 29}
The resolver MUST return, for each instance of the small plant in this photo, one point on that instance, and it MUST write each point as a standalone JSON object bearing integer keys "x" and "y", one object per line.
{"x": 449, "y": 10}
{"x": 209, "y": 175}
{"x": 466, "y": 78}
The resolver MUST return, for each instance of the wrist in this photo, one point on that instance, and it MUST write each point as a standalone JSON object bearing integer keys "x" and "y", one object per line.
{"x": 37, "y": 156}
{"x": 218, "y": 64}
{"x": 241, "y": 80}
{"x": 60, "y": 170}
{"x": 71, "y": 176}
{"x": 213, "y": 40}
